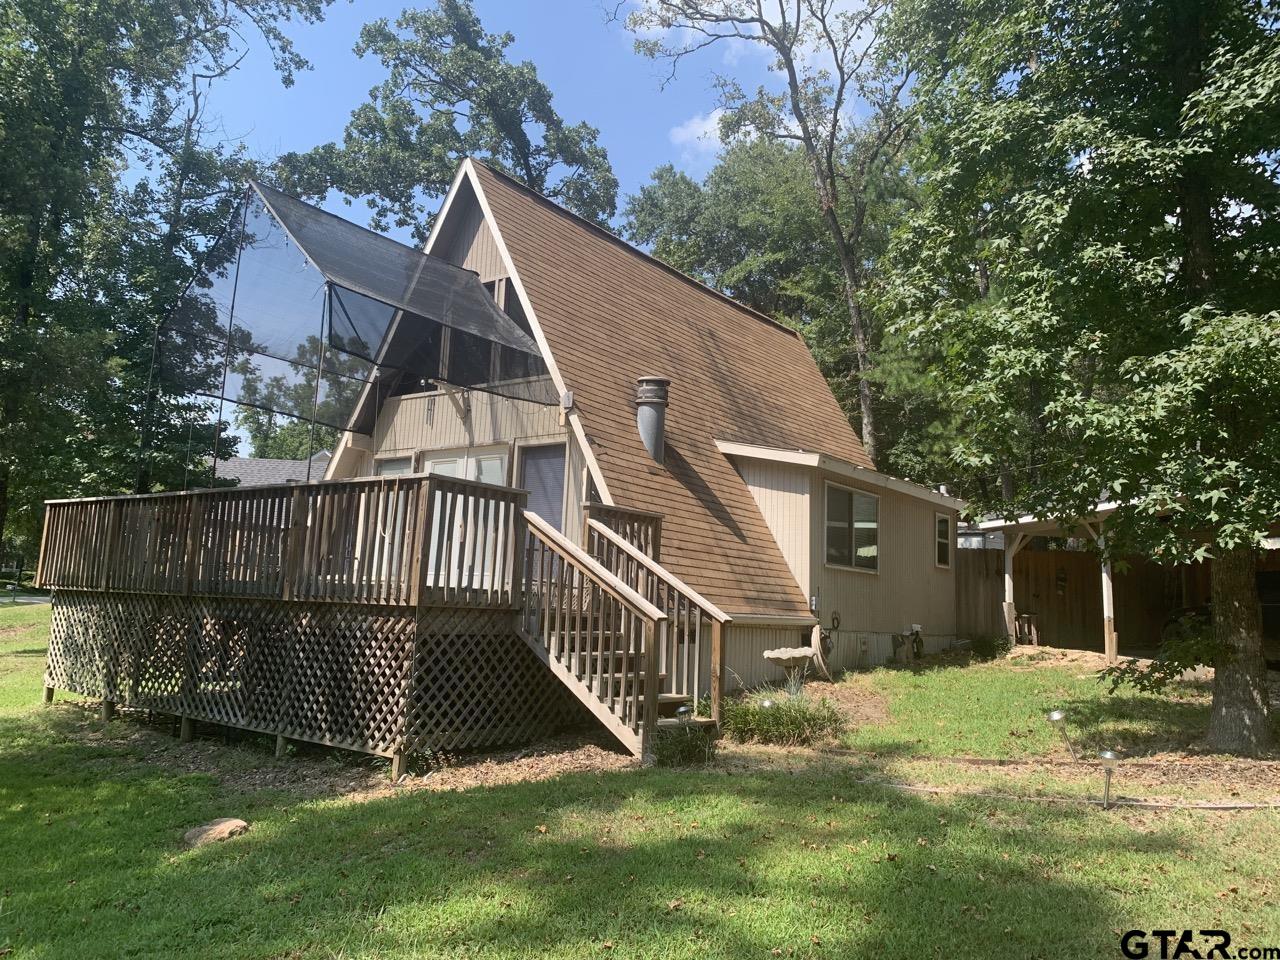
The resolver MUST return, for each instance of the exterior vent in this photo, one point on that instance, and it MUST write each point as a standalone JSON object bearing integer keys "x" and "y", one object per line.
{"x": 651, "y": 414}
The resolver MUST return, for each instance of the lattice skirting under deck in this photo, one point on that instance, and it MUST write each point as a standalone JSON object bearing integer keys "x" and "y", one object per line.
{"x": 374, "y": 678}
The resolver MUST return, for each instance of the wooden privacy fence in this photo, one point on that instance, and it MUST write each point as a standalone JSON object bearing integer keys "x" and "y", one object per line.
{"x": 377, "y": 614}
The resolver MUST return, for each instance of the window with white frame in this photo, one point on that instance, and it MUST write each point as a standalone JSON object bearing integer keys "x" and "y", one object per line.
{"x": 853, "y": 528}
{"x": 942, "y": 539}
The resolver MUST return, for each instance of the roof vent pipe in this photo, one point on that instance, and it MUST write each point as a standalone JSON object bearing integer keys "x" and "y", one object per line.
{"x": 651, "y": 414}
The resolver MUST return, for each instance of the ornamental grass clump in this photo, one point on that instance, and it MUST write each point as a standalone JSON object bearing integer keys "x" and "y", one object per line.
{"x": 775, "y": 716}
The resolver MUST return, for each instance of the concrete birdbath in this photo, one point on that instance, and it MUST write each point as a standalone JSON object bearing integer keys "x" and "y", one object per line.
{"x": 795, "y": 661}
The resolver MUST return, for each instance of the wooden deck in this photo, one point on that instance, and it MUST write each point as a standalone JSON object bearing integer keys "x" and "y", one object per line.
{"x": 388, "y": 615}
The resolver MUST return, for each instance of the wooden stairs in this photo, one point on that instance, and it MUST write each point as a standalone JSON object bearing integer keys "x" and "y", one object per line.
{"x": 631, "y": 654}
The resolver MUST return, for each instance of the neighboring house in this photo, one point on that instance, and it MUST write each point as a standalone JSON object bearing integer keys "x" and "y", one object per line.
{"x": 257, "y": 471}
{"x": 770, "y": 507}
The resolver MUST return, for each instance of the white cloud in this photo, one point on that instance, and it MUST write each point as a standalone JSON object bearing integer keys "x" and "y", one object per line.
{"x": 698, "y": 139}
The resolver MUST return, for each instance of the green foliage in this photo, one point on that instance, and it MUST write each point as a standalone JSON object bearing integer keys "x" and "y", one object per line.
{"x": 451, "y": 92}
{"x": 774, "y": 716}
{"x": 753, "y": 229}
{"x": 1093, "y": 267}
{"x": 989, "y": 646}
{"x": 823, "y": 58}
{"x": 92, "y": 258}
{"x": 685, "y": 745}
{"x": 1187, "y": 643}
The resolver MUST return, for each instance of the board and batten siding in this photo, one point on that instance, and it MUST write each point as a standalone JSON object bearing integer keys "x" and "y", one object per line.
{"x": 469, "y": 242}
{"x": 745, "y": 667}
{"x": 781, "y": 491}
{"x": 440, "y": 421}
{"x": 908, "y": 588}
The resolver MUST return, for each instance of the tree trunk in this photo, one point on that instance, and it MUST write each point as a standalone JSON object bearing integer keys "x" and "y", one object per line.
{"x": 862, "y": 352}
{"x": 4, "y": 497}
{"x": 1239, "y": 721}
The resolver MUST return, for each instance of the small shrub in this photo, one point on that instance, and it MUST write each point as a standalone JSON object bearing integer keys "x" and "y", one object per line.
{"x": 1186, "y": 643}
{"x": 990, "y": 646}
{"x": 786, "y": 720}
{"x": 689, "y": 745}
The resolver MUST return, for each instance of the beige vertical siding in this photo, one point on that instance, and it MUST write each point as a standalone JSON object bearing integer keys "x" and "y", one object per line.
{"x": 744, "y": 662}
{"x": 470, "y": 242}
{"x": 781, "y": 490}
{"x": 443, "y": 421}
{"x": 575, "y": 491}
{"x": 908, "y": 589}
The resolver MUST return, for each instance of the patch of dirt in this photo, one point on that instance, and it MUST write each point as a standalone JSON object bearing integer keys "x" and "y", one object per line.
{"x": 858, "y": 703}
{"x": 568, "y": 753}
{"x": 245, "y": 762}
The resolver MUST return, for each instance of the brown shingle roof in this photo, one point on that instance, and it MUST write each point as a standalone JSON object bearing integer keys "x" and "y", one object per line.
{"x": 611, "y": 314}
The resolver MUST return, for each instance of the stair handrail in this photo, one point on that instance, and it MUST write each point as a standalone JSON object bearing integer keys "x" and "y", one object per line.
{"x": 598, "y": 571}
{"x": 661, "y": 572}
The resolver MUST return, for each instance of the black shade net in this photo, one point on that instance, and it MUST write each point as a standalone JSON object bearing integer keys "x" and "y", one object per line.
{"x": 300, "y": 313}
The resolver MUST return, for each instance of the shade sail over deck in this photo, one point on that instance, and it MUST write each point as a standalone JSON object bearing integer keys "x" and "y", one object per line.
{"x": 395, "y": 274}
{"x": 301, "y": 314}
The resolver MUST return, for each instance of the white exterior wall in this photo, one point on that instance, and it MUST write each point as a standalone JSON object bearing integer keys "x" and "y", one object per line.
{"x": 744, "y": 645}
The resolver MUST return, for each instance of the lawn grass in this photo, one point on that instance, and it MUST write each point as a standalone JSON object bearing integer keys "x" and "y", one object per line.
{"x": 24, "y": 635}
{"x": 997, "y": 710}
{"x": 639, "y": 863}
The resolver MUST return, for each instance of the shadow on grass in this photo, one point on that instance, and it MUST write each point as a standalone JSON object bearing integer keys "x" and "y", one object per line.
{"x": 655, "y": 863}
{"x": 1137, "y": 723}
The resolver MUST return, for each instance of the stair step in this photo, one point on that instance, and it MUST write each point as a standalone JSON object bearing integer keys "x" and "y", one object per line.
{"x": 668, "y": 723}
{"x": 676, "y": 698}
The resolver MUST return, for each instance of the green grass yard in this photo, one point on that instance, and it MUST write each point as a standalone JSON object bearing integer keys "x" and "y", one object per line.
{"x": 997, "y": 709}
{"x": 800, "y": 860}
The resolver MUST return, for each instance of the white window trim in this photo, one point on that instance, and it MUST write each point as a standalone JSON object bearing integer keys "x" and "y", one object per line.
{"x": 517, "y": 468}
{"x": 422, "y": 455}
{"x": 386, "y": 457}
{"x": 826, "y": 552}
{"x": 951, "y": 540}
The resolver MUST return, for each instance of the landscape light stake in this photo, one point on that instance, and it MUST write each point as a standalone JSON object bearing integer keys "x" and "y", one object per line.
{"x": 1110, "y": 760}
{"x": 1059, "y": 719}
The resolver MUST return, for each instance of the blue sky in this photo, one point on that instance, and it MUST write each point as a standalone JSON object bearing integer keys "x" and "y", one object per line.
{"x": 589, "y": 64}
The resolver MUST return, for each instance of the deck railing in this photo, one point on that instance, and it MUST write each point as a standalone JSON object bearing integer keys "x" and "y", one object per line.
{"x": 594, "y": 631}
{"x": 640, "y": 528}
{"x": 694, "y": 623}
{"x": 387, "y": 540}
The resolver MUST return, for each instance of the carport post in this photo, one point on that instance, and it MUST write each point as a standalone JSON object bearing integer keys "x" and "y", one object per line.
{"x": 1110, "y": 642}
{"x": 1010, "y": 611}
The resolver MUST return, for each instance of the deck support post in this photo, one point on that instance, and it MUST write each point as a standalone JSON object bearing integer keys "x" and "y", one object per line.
{"x": 48, "y": 694}
{"x": 653, "y": 635}
{"x": 717, "y": 668}
{"x": 186, "y": 729}
{"x": 399, "y": 765}
{"x": 282, "y": 745}
{"x": 106, "y": 710}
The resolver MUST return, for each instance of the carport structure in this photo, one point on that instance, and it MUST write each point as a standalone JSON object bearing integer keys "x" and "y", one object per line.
{"x": 1018, "y": 533}
{"x": 1148, "y": 594}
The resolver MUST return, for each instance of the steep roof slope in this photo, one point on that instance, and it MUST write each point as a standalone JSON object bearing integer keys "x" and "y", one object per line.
{"x": 611, "y": 314}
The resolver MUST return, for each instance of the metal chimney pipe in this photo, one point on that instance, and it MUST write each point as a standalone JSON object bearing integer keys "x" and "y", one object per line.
{"x": 651, "y": 414}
